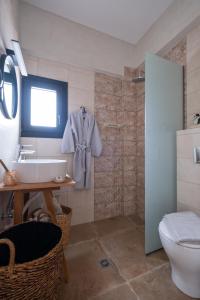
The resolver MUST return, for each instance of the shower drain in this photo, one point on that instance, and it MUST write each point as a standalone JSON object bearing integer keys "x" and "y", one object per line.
{"x": 104, "y": 263}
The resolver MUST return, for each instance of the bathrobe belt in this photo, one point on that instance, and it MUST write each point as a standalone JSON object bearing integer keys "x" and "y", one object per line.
{"x": 81, "y": 149}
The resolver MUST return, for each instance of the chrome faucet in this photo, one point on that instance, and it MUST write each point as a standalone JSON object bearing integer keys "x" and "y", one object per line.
{"x": 22, "y": 152}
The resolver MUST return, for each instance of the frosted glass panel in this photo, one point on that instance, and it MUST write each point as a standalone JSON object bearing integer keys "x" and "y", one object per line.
{"x": 163, "y": 117}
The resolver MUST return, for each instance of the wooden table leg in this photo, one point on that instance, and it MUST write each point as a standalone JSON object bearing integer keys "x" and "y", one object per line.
{"x": 18, "y": 207}
{"x": 48, "y": 196}
{"x": 65, "y": 269}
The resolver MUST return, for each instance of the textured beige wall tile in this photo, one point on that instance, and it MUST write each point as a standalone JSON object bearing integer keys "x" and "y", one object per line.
{"x": 140, "y": 133}
{"x": 111, "y": 148}
{"x": 104, "y": 164}
{"x": 104, "y": 86}
{"x": 129, "y": 103}
{"x": 119, "y": 146}
{"x": 129, "y": 178}
{"x": 110, "y": 134}
{"x": 103, "y": 179}
{"x": 140, "y": 164}
{"x": 130, "y": 119}
{"x": 108, "y": 179}
{"x": 140, "y": 102}
{"x": 128, "y": 88}
{"x": 193, "y": 60}
{"x": 140, "y": 179}
{"x": 108, "y": 85}
{"x": 129, "y": 147}
{"x": 110, "y": 102}
{"x": 130, "y": 198}
{"x": 140, "y": 118}
{"x": 129, "y": 133}
{"x": 193, "y": 42}
{"x": 129, "y": 163}
{"x": 193, "y": 103}
{"x": 108, "y": 164}
{"x": 140, "y": 88}
{"x": 178, "y": 53}
{"x": 106, "y": 116}
{"x": 140, "y": 148}
{"x": 193, "y": 79}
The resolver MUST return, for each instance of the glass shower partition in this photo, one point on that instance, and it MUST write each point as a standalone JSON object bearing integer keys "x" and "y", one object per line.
{"x": 163, "y": 117}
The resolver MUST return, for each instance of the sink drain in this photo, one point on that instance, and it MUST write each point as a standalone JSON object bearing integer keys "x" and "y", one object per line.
{"x": 104, "y": 263}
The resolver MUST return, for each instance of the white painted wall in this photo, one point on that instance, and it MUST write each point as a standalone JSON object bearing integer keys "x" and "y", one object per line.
{"x": 9, "y": 129}
{"x": 80, "y": 92}
{"x": 8, "y": 21}
{"x": 177, "y": 20}
{"x": 52, "y": 37}
{"x": 72, "y": 43}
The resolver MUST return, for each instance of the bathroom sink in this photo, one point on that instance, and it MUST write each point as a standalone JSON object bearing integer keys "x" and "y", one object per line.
{"x": 39, "y": 170}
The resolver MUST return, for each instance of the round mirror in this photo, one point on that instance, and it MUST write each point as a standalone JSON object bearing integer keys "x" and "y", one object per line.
{"x": 8, "y": 87}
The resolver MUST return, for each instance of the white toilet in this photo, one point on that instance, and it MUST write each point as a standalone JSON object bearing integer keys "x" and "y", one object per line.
{"x": 184, "y": 255}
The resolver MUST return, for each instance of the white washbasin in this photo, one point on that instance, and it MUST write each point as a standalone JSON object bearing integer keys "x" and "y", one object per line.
{"x": 39, "y": 170}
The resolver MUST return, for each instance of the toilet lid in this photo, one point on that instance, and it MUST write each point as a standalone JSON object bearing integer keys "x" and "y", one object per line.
{"x": 163, "y": 229}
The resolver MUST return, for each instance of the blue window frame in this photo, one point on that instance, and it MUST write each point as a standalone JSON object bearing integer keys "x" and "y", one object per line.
{"x": 43, "y": 107}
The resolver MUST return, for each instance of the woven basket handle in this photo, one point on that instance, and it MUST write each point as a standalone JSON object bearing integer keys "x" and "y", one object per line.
{"x": 11, "y": 247}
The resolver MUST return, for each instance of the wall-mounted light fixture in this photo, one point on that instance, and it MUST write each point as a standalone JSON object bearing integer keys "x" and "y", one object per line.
{"x": 19, "y": 57}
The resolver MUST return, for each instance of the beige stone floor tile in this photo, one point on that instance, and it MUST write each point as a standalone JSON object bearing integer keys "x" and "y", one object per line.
{"x": 122, "y": 292}
{"x": 157, "y": 285}
{"x": 87, "y": 277}
{"x": 113, "y": 225}
{"x": 127, "y": 251}
{"x": 83, "y": 232}
{"x": 136, "y": 220}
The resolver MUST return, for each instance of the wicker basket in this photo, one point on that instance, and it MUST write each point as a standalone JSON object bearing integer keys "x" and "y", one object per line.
{"x": 36, "y": 279}
{"x": 64, "y": 221}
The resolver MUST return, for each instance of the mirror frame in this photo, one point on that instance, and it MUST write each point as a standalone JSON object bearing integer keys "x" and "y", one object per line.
{"x": 3, "y": 106}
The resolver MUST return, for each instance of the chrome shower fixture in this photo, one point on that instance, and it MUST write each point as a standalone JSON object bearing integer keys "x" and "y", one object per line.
{"x": 139, "y": 78}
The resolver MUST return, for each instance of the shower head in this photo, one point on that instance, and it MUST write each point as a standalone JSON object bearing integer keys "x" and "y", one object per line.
{"x": 139, "y": 78}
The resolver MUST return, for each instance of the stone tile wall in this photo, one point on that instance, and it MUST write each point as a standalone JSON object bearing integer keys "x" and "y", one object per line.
{"x": 193, "y": 78}
{"x": 129, "y": 143}
{"x": 139, "y": 142}
{"x": 178, "y": 55}
{"x": 119, "y": 172}
{"x": 115, "y": 170}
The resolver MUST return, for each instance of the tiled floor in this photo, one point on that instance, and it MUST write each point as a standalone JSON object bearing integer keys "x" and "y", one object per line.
{"x": 130, "y": 275}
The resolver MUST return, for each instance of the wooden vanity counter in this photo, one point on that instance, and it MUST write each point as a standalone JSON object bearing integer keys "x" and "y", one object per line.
{"x": 45, "y": 187}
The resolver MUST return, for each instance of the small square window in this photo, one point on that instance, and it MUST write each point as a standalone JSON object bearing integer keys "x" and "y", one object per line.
{"x": 43, "y": 98}
{"x": 44, "y": 107}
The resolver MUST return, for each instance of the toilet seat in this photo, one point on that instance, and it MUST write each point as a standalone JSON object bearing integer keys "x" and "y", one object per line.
{"x": 165, "y": 231}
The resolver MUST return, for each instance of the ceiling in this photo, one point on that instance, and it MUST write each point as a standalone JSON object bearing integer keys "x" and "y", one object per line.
{"x": 127, "y": 20}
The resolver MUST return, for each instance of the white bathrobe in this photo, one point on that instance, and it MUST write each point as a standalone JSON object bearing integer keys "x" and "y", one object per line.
{"x": 81, "y": 137}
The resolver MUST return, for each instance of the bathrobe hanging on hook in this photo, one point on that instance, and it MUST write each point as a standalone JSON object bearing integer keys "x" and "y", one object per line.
{"x": 81, "y": 137}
